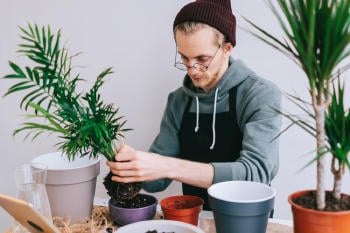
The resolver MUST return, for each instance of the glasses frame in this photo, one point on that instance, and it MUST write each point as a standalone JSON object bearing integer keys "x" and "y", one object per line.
{"x": 197, "y": 66}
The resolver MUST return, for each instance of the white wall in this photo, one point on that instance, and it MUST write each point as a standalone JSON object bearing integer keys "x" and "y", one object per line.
{"x": 135, "y": 37}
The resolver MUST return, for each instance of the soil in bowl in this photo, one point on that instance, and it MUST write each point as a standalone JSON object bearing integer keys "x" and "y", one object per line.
{"x": 184, "y": 208}
{"x": 138, "y": 201}
{"x": 181, "y": 202}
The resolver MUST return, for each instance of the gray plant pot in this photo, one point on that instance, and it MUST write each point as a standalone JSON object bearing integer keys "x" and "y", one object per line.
{"x": 241, "y": 206}
{"x": 70, "y": 185}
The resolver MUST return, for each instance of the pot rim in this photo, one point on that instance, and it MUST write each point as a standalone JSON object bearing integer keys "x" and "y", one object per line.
{"x": 187, "y": 226}
{"x": 213, "y": 186}
{"x": 165, "y": 201}
{"x": 298, "y": 193}
{"x": 47, "y": 156}
{"x": 111, "y": 205}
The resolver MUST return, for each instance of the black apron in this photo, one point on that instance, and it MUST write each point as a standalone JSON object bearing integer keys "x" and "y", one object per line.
{"x": 195, "y": 146}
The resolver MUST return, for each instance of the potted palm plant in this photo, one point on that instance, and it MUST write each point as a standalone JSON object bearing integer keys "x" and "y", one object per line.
{"x": 85, "y": 124}
{"x": 337, "y": 125}
{"x": 316, "y": 38}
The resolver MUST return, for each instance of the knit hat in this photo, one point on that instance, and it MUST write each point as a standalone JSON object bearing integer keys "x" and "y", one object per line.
{"x": 216, "y": 13}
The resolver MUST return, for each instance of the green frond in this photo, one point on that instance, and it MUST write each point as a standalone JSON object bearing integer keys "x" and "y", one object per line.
{"x": 316, "y": 36}
{"x": 85, "y": 124}
{"x": 319, "y": 153}
{"x": 17, "y": 69}
{"x": 33, "y": 126}
{"x": 337, "y": 125}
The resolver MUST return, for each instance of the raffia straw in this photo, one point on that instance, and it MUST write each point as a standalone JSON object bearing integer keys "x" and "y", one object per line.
{"x": 99, "y": 223}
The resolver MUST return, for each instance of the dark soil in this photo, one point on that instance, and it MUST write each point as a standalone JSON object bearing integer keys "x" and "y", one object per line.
{"x": 155, "y": 231}
{"x": 121, "y": 191}
{"x": 138, "y": 201}
{"x": 309, "y": 201}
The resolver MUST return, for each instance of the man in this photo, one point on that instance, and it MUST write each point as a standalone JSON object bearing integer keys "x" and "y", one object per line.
{"x": 220, "y": 124}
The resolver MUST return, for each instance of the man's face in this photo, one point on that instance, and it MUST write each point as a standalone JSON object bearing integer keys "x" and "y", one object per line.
{"x": 202, "y": 47}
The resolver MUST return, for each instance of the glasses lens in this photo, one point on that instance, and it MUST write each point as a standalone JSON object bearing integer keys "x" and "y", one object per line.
{"x": 200, "y": 67}
{"x": 181, "y": 66}
{"x": 196, "y": 66}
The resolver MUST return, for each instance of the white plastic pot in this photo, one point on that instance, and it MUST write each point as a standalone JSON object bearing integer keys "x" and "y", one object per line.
{"x": 70, "y": 185}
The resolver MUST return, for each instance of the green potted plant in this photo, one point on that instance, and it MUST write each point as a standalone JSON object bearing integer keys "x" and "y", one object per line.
{"x": 316, "y": 38}
{"x": 85, "y": 124}
{"x": 337, "y": 125}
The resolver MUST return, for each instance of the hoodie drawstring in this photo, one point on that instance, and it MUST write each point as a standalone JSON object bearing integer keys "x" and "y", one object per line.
{"x": 197, "y": 115}
{"x": 214, "y": 119}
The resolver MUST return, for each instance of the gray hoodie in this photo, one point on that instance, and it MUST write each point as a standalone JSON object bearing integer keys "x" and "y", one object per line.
{"x": 259, "y": 123}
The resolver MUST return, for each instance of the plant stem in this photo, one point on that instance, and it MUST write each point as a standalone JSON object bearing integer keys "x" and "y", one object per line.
{"x": 321, "y": 173}
{"x": 338, "y": 178}
{"x": 320, "y": 105}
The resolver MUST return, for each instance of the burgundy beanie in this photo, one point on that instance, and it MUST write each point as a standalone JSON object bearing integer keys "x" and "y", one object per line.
{"x": 216, "y": 13}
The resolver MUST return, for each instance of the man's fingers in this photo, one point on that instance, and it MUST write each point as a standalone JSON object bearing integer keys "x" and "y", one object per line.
{"x": 124, "y": 148}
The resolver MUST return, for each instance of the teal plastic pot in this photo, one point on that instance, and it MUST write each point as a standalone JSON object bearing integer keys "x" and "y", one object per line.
{"x": 241, "y": 206}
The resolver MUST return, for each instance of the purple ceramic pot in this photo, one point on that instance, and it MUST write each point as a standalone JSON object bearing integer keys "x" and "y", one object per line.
{"x": 123, "y": 216}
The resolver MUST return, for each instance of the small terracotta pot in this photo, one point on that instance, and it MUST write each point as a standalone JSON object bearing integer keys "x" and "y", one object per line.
{"x": 123, "y": 216}
{"x": 184, "y": 208}
{"x": 316, "y": 221}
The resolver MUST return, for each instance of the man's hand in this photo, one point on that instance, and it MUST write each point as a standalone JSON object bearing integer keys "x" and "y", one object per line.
{"x": 137, "y": 166}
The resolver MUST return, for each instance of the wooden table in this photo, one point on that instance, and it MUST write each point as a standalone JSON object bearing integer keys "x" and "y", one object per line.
{"x": 206, "y": 223}
{"x": 278, "y": 228}
{"x": 271, "y": 228}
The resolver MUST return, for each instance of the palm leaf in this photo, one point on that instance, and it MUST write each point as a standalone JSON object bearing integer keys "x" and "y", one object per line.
{"x": 337, "y": 124}
{"x": 86, "y": 125}
{"x": 317, "y": 49}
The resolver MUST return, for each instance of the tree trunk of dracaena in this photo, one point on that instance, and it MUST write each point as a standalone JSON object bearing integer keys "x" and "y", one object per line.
{"x": 338, "y": 178}
{"x": 320, "y": 108}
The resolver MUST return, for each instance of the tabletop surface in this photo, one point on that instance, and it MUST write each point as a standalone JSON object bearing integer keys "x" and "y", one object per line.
{"x": 206, "y": 220}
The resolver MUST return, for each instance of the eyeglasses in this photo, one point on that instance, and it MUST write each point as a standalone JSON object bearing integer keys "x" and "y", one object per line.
{"x": 198, "y": 66}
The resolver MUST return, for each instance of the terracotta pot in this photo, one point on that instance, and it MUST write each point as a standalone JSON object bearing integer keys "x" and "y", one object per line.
{"x": 184, "y": 208}
{"x": 315, "y": 221}
{"x": 123, "y": 216}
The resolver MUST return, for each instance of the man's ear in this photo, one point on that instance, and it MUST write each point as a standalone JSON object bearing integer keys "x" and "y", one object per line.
{"x": 228, "y": 47}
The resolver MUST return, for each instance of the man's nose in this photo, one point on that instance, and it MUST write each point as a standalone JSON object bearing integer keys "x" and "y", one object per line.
{"x": 191, "y": 70}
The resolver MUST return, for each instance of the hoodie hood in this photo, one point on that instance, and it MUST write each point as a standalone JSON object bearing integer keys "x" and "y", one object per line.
{"x": 235, "y": 74}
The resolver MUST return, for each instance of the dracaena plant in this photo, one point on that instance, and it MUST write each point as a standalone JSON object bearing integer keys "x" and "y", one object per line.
{"x": 84, "y": 123}
{"x": 316, "y": 37}
{"x": 337, "y": 126}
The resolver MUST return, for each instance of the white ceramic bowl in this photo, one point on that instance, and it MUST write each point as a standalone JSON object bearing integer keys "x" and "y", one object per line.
{"x": 160, "y": 226}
